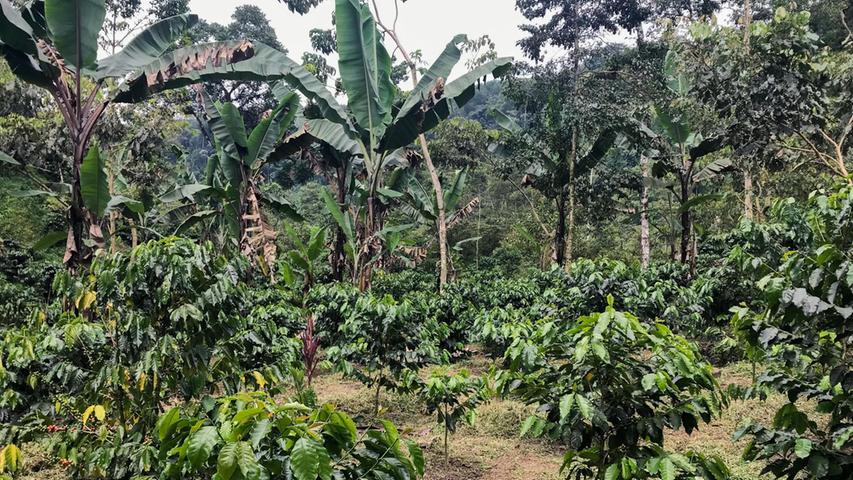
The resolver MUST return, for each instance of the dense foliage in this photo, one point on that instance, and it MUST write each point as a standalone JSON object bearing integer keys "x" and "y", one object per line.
{"x": 201, "y": 239}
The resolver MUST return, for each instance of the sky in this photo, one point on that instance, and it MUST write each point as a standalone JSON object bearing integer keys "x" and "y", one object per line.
{"x": 423, "y": 24}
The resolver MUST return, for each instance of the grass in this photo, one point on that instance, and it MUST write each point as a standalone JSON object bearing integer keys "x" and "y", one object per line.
{"x": 491, "y": 448}
{"x": 716, "y": 438}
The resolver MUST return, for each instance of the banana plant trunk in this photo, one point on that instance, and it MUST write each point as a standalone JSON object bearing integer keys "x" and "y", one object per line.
{"x": 257, "y": 238}
{"x": 80, "y": 120}
{"x": 371, "y": 245}
{"x": 74, "y": 246}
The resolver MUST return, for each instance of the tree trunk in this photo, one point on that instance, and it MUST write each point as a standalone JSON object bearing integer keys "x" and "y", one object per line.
{"x": 686, "y": 225}
{"x": 441, "y": 221}
{"x": 573, "y": 157}
{"x": 338, "y": 258}
{"x": 560, "y": 230}
{"x": 747, "y": 195}
{"x": 645, "y": 240}
{"x": 570, "y": 229}
{"x": 694, "y": 251}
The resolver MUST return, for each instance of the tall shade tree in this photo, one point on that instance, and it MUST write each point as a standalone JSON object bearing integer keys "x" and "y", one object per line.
{"x": 54, "y": 45}
{"x": 452, "y": 51}
{"x": 377, "y": 128}
{"x": 567, "y": 21}
{"x": 774, "y": 90}
{"x": 572, "y": 116}
{"x": 552, "y": 171}
{"x": 254, "y": 98}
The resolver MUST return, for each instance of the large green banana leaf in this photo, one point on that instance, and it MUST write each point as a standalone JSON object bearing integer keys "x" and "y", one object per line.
{"x": 453, "y": 194}
{"x": 15, "y": 31}
{"x": 232, "y": 60}
{"x": 146, "y": 47}
{"x": 441, "y": 68}
{"x": 713, "y": 169}
{"x": 235, "y": 124}
{"x": 429, "y": 112}
{"x": 677, "y": 132}
{"x": 599, "y": 149}
{"x": 333, "y": 134}
{"x": 365, "y": 67}
{"x": 74, "y": 28}
{"x": 230, "y": 160}
{"x": 94, "y": 186}
{"x": 269, "y": 132}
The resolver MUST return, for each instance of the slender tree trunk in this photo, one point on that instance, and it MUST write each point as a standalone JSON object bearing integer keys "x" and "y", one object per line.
{"x": 686, "y": 226}
{"x": 570, "y": 223}
{"x": 747, "y": 177}
{"x": 748, "y": 207}
{"x": 441, "y": 221}
{"x": 134, "y": 235}
{"x": 113, "y": 215}
{"x": 337, "y": 259}
{"x": 645, "y": 238}
{"x": 376, "y": 395}
{"x": 560, "y": 230}
{"x": 573, "y": 157}
{"x": 694, "y": 250}
{"x": 446, "y": 432}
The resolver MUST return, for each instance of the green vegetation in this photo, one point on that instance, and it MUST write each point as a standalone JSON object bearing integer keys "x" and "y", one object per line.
{"x": 632, "y": 260}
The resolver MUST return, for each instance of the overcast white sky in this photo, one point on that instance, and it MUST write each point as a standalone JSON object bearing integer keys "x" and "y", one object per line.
{"x": 423, "y": 24}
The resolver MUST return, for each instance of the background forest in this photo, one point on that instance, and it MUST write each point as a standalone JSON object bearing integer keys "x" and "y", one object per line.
{"x": 625, "y": 256}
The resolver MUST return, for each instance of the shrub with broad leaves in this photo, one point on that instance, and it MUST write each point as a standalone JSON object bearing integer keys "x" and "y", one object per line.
{"x": 250, "y": 436}
{"x": 804, "y": 328}
{"x": 609, "y": 386}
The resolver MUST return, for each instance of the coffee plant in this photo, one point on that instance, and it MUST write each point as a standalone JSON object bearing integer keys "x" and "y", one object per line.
{"x": 805, "y": 330}
{"x": 609, "y": 386}
{"x": 251, "y": 436}
{"x": 385, "y": 338}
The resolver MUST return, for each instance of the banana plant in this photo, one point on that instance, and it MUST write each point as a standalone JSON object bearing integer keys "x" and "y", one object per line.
{"x": 553, "y": 173}
{"x": 239, "y": 161}
{"x": 420, "y": 203}
{"x": 375, "y": 127}
{"x": 53, "y": 44}
{"x": 678, "y": 148}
